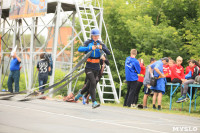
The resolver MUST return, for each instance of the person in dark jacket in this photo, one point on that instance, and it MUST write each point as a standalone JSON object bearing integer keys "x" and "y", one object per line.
{"x": 43, "y": 68}
{"x": 93, "y": 62}
{"x": 186, "y": 82}
{"x": 14, "y": 73}
{"x": 132, "y": 69}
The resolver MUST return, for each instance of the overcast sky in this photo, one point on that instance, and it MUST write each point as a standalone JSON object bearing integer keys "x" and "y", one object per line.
{"x": 46, "y": 18}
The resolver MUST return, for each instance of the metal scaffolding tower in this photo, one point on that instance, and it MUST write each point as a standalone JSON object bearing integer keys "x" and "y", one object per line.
{"x": 87, "y": 13}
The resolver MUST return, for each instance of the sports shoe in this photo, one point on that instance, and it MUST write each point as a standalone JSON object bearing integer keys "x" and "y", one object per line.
{"x": 145, "y": 107}
{"x": 95, "y": 105}
{"x": 159, "y": 107}
{"x": 140, "y": 106}
{"x": 77, "y": 96}
{"x": 84, "y": 100}
{"x": 181, "y": 99}
{"x": 133, "y": 105}
{"x": 154, "y": 107}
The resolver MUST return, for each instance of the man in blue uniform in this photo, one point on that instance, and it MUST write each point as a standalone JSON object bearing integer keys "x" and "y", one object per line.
{"x": 14, "y": 73}
{"x": 92, "y": 66}
{"x": 132, "y": 68}
{"x": 156, "y": 70}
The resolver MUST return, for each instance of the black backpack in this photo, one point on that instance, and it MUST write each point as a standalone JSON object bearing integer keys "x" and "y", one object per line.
{"x": 153, "y": 81}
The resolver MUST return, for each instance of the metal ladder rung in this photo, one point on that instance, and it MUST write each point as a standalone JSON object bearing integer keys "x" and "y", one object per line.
{"x": 85, "y": 13}
{"x": 88, "y": 19}
{"x": 88, "y": 26}
{"x": 108, "y": 92}
{"x": 105, "y": 78}
{"x": 105, "y": 72}
{"x": 109, "y": 99}
{"x": 84, "y": 7}
{"x": 106, "y": 85}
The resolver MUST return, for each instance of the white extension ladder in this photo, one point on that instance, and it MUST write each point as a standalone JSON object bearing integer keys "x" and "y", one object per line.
{"x": 87, "y": 19}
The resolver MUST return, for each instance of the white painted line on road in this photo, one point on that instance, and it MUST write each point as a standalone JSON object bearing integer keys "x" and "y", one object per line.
{"x": 146, "y": 116}
{"x": 85, "y": 119}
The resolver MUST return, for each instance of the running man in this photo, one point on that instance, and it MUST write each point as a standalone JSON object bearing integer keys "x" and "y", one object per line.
{"x": 85, "y": 89}
{"x": 92, "y": 66}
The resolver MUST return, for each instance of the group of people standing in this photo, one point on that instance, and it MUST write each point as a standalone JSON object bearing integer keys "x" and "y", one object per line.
{"x": 43, "y": 68}
{"x": 154, "y": 78}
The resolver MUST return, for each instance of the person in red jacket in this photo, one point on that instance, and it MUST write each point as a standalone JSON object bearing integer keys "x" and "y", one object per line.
{"x": 188, "y": 68}
{"x": 139, "y": 82}
{"x": 177, "y": 70}
{"x": 167, "y": 70}
{"x": 171, "y": 64}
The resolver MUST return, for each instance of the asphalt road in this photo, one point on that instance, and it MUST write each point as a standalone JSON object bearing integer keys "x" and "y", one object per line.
{"x": 45, "y": 116}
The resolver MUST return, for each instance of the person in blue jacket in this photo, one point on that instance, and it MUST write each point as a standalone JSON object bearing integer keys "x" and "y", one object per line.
{"x": 93, "y": 63}
{"x": 132, "y": 69}
{"x": 14, "y": 73}
{"x": 156, "y": 70}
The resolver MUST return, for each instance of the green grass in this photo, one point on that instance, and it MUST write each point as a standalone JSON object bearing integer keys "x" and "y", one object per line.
{"x": 176, "y": 109}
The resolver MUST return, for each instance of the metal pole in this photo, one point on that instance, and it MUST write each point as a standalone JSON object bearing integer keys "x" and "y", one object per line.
{"x": 100, "y": 21}
{"x": 55, "y": 43}
{"x": 80, "y": 20}
{"x": 22, "y": 55}
{"x": 2, "y": 62}
{"x": 72, "y": 51}
{"x": 14, "y": 35}
{"x": 30, "y": 79}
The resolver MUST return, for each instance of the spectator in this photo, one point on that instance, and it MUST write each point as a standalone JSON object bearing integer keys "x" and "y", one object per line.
{"x": 146, "y": 83}
{"x": 132, "y": 68}
{"x": 189, "y": 68}
{"x": 14, "y": 75}
{"x": 177, "y": 71}
{"x": 43, "y": 67}
{"x": 139, "y": 82}
{"x": 159, "y": 89}
{"x": 184, "y": 89}
{"x": 167, "y": 72}
{"x": 171, "y": 64}
{"x": 188, "y": 74}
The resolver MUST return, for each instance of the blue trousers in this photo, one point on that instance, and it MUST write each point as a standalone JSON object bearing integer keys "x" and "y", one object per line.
{"x": 13, "y": 77}
{"x": 42, "y": 81}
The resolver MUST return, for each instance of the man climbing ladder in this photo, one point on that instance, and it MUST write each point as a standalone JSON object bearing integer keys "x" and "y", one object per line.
{"x": 92, "y": 66}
